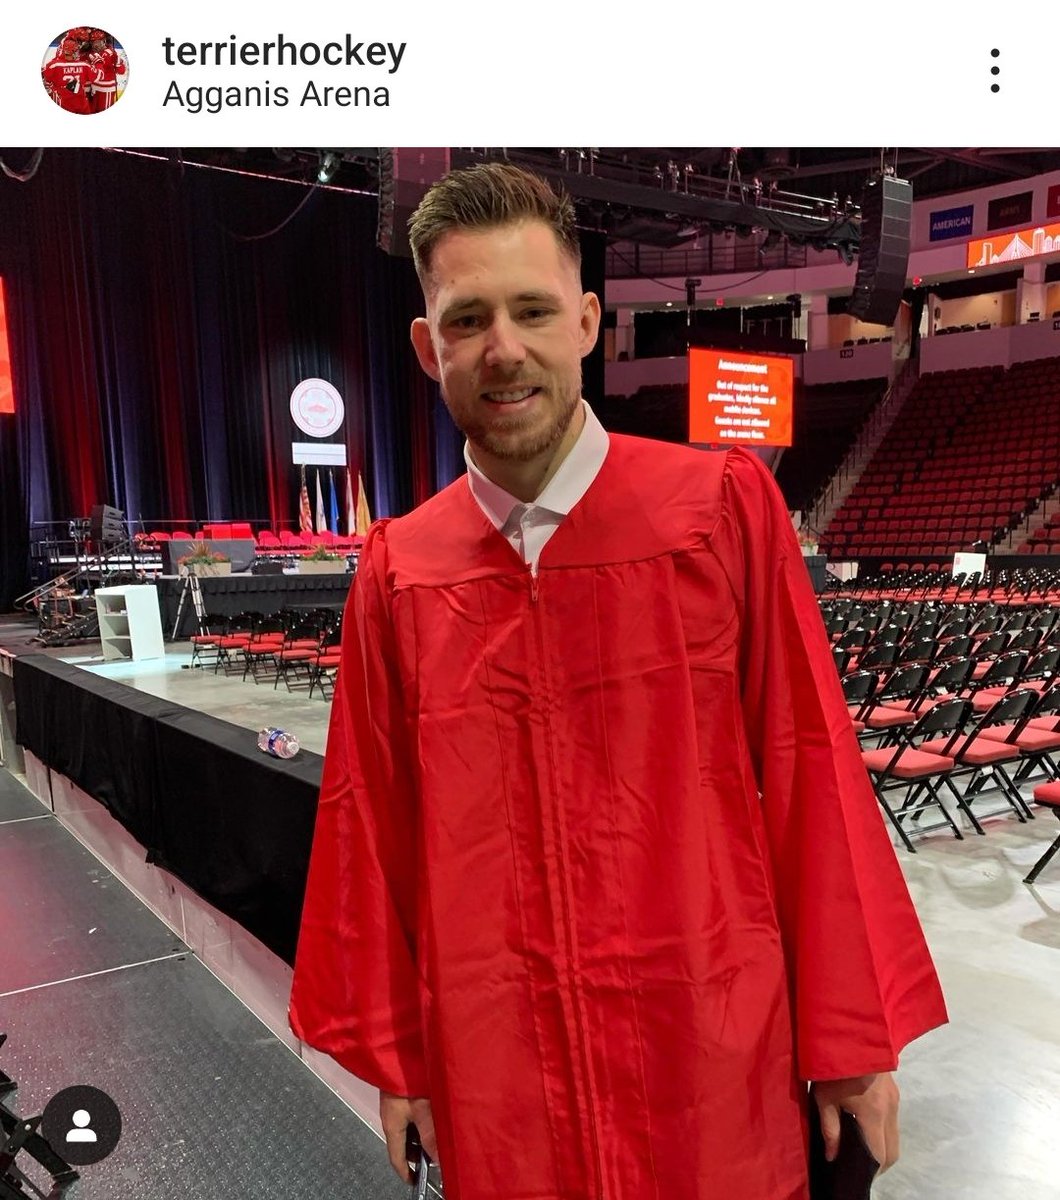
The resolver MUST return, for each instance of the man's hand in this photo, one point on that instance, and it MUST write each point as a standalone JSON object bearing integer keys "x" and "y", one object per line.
{"x": 396, "y": 1114}
{"x": 873, "y": 1099}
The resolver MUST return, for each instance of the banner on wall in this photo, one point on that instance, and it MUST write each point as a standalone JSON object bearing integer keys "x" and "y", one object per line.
{"x": 1009, "y": 210}
{"x": 1011, "y": 247}
{"x": 952, "y": 222}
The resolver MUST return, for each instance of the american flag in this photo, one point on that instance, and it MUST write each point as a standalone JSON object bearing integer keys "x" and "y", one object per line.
{"x": 305, "y": 513}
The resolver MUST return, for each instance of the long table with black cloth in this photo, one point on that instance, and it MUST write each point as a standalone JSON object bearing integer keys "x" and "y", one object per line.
{"x": 226, "y": 595}
{"x": 234, "y": 824}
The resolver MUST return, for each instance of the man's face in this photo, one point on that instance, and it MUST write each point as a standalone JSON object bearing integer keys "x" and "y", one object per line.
{"x": 506, "y": 329}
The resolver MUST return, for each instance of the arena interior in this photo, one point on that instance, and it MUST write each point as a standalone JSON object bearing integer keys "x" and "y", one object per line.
{"x": 204, "y": 356}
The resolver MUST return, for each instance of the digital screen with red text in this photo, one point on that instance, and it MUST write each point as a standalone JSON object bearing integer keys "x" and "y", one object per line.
{"x": 738, "y": 399}
{"x": 7, "y": 394}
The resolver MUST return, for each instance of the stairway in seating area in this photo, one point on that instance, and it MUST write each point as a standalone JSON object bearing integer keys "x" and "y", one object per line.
{"x": 971, "y": 453}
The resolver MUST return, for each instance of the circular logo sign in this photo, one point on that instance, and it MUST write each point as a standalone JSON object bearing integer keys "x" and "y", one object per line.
{"x": 81, "y": 1124}
{"x": 317, "y": 408}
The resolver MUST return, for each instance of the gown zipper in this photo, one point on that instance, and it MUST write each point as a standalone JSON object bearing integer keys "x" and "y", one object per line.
{"x": 583, "y": 1067}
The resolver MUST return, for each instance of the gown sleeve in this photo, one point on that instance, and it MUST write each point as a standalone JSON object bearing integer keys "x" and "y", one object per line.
{"x": 356, "y": 989}
{"x": 862, "y": 981}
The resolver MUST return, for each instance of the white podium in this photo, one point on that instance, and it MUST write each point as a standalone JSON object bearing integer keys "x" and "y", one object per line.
{"x": 130, "y": 627}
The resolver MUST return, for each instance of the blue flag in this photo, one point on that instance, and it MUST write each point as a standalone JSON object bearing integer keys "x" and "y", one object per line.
{"x": 333, "y": 513}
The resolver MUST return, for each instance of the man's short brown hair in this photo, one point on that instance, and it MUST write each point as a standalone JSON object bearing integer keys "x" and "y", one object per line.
{"x": 484, "y": 197}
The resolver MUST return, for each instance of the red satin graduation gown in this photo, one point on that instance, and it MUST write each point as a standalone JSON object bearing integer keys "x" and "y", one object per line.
{"x": 597, "y": 866}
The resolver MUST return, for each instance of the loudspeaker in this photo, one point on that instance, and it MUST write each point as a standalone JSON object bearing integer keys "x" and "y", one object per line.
{"x": 404, "y": 177}
{"x": 883, "y": 257}
{"x": 106, "y": 526}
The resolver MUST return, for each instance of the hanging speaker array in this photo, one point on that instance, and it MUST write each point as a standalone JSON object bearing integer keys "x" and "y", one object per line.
{"x": 404, "y": 177}
{"x": 883, "y": 257}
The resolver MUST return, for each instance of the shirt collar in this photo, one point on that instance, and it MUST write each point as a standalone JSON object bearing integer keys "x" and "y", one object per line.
{"x": 562, "y": 492}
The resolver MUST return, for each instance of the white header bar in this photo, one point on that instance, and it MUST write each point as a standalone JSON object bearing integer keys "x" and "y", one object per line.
{"x": 556, "y": 73}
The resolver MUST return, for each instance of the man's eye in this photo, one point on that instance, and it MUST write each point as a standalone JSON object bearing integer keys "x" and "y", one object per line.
{"x": 536, "y": 314}
{"x": 466, "y": 322}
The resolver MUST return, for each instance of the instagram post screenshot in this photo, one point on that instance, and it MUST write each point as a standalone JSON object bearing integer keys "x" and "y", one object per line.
{"x": 529, "y": 604}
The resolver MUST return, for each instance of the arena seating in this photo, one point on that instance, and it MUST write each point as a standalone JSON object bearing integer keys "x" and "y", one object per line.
{"x": 828, "y": 418}
{"x": 1045, "y": 541}
{"x": 971, "y": 453}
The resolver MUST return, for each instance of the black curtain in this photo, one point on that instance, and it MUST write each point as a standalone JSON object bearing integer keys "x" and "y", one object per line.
{"x": 160, "y": 316}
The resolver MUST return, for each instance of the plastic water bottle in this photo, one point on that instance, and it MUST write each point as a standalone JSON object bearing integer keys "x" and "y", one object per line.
{"x": 278, "y": 742}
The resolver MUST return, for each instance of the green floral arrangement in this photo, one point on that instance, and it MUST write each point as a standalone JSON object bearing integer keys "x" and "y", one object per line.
{"x": 201, "y": 553}
{"x": 320, "y": 553}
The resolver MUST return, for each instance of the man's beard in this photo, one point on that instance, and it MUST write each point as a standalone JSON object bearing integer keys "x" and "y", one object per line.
{"x": 517, "y": 444}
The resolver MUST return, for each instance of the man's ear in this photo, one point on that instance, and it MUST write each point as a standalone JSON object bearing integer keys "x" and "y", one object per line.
{"x": 424, "y": 347}
{"x": 590, "y": 322}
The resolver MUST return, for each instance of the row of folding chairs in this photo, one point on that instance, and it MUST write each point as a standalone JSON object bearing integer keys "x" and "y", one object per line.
{"x": 860, "y": 628}
{"x": 304, "y": 655}
{"x": 881, "y": 704}
{"x": 1015, "y": 739}
{"x": 937, "y": 581}
{"x": 1018, "y": 654}
{"x": 301, "y": 648}
{"x": 933, "y": 728}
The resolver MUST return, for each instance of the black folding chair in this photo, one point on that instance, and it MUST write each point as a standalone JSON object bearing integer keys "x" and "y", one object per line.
{"x": 1046, "y": 794}
{"x": 841, "y": 658}
{"x": 956, "y": 647}
{"x": 1037, "y": 734}
{"x": 858, "y": 689}
{"x": 983, "y": 758}
{"x": 918, "y": 650}
{"x": 884, "y": 713}
{"x": 906, "y": 767}
{"x": 1000, "y": 677}
{"x": 879, "y": 654}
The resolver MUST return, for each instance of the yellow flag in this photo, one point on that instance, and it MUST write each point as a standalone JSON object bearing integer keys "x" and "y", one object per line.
{"x": 364, "y": 517}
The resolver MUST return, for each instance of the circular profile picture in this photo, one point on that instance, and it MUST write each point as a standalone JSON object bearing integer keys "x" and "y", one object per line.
{"x": 85, "y": 70}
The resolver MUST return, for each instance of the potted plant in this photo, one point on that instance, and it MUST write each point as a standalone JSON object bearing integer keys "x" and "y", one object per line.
{"x": 322, "y": 561}
{"x": 202, "y": 561}
{"x": 808, "y": 542}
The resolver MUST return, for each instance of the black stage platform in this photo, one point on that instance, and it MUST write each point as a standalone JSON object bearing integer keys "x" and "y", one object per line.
{"x": 232, "y": 823}
{"x": 95, "y": 990}
{"x": 226, "y": 595}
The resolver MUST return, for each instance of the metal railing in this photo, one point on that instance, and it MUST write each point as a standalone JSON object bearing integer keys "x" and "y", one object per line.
{"x": 715, "y": 258}
{"x": 875, "y": 429}
{"x": 91, "y": 564}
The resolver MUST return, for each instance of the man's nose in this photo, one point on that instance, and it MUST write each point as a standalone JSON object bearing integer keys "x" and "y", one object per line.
{"x": 504, "y": 345}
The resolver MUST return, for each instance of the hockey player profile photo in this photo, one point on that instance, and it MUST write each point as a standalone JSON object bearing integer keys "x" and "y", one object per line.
{"x": 85, "y": 70}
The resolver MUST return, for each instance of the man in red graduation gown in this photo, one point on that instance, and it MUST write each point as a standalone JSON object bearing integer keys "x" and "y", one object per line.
{"x": 599, "y": 883}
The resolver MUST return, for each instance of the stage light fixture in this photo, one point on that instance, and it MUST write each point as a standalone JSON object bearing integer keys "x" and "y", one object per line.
{"x": 329, "y": 164}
